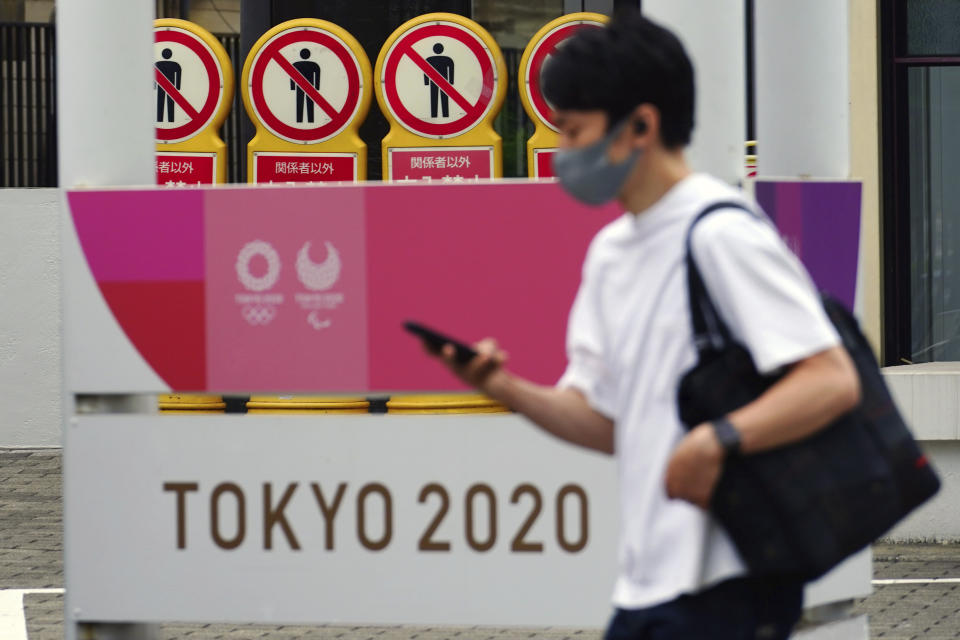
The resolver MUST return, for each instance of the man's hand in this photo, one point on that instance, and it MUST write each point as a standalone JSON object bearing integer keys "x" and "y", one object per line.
{"x": 695, "y": 466}
{"x": 480, "y": 371}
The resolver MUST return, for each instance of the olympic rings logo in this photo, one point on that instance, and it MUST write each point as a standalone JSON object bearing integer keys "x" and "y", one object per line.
{"x": 258, "y": 315}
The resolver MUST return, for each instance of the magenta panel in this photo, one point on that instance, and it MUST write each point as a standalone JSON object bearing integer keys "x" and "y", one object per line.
{"x": 820, "y": 221}
{"x": 141, "y": 235}
{"x": 499, "y": 260}
{"x": 286, "y": 289}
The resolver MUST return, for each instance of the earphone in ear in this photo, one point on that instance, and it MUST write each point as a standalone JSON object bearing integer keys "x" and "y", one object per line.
{"x": 640, "y": 126}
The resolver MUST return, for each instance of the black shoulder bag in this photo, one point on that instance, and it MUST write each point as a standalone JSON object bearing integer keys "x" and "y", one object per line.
{"x": 802, "y": 508}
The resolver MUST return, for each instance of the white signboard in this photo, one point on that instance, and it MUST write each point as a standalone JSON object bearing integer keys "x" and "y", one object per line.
{"x": 356, "y": 519}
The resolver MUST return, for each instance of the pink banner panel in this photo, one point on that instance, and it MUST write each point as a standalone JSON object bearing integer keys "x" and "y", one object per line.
{"x": 500, "y": 260}
{"x": 286, "y": 289}
{"x": 136, "y": 236}
{"x": 306, "y": 289}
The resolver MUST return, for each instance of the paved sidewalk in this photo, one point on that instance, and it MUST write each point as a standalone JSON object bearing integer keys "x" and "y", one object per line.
{"x": 31, "y": 549}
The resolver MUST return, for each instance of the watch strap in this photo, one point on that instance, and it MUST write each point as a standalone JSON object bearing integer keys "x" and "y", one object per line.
{"x": 727, "y": 435}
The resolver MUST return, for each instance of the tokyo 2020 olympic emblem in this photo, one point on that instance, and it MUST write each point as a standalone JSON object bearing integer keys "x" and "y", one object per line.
{"x": 247, "y": 253}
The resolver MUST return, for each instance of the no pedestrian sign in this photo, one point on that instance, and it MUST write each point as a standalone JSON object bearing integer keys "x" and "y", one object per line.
{"x": 541, "y": 52}
{"x": 188, "y": 83}
{"x": 305, "y": 85}
{"x": 439, "y": 79}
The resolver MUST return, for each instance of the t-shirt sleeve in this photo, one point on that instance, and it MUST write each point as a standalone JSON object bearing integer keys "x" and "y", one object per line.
{"x": 587, "y": 369}
{"x": 761, "y": 290}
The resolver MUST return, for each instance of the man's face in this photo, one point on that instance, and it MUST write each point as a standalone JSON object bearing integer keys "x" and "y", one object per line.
{"x": 580, "y": 129}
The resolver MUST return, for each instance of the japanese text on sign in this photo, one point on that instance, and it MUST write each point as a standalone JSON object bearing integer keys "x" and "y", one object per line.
{"x": 439, "y": 162}
{"x": 167, "y": 168}
{"x": 443, "y": 179}
{"x": 303, "y": 168}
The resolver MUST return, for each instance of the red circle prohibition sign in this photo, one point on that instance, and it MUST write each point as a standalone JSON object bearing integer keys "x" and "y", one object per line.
{"x": 539, "y": 55}
{"x": 198, "y": 118}
{"x": 271, "y": 52}
{"x": 474, "y": 112}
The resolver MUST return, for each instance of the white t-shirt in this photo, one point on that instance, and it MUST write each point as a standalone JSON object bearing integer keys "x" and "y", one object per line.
{"x": 629, "y": 341}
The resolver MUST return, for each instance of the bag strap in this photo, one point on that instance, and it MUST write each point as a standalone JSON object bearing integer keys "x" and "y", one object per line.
{"x": 710, "y": 333}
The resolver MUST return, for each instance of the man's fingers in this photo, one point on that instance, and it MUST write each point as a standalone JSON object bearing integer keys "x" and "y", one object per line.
{"x": 487, "y": 345}
{"x": 449, "y": 353}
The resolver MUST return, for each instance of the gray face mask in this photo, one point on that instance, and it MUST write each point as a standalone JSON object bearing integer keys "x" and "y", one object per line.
{"x": 588, "y": 175}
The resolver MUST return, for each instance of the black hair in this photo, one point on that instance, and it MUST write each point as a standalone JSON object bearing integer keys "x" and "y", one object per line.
{"x": 629, "y": 62}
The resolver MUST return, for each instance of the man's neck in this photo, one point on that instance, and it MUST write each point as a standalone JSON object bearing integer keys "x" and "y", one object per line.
{"x": 655, "y": 175}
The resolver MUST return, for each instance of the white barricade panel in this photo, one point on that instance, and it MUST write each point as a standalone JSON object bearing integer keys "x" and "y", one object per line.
{"x": 374, "y": 519}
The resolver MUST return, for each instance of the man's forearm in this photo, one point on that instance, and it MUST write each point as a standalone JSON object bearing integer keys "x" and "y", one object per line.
{"x": 562, "y": 412}
{"x": 815, "y": 392}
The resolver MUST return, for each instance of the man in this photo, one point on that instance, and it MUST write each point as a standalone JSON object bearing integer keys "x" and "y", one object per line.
{"x": 624, "y": 99}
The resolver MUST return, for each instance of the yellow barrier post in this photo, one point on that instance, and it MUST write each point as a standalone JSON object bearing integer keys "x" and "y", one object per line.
{"x": 193, "y": 82}
{"x": 306, "y": 87}
{"x": 440, "y": 81}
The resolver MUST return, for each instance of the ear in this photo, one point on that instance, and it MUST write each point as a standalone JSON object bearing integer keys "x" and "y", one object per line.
{"x": 646, "y": 125}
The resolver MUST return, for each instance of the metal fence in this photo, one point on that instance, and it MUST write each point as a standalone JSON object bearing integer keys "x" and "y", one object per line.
{"x": 28, "y": 115}
{"x": 232, "y": 130}
{"x": 28, "y": 119}
{"x": 28, "y": 123}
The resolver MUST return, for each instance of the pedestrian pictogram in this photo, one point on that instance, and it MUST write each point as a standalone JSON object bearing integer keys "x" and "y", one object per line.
{"x": 193, "y": 82}
{"x": 172, "y": 71}
{"x": 439, "y": 79}
{"x": 307, "y": 88}
{"x": 189, "y": 83}
{"x": 444, "y": 66}
{"x": 535, "y": 57}
{"x": 310, "y": 71}
{"x": 305, "y": 84}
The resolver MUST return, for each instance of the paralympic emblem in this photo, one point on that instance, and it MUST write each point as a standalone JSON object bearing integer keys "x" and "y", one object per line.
{"x": 318, "y": 276}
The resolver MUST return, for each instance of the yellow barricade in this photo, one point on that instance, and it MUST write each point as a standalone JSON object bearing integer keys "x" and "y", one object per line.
{"x": 444, "y": 403}
{"x": 307, "y": 405}
{"x": 190, "y": 403}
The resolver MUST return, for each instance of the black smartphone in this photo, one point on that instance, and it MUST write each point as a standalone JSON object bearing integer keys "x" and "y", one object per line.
{"x": 435, "y": 340}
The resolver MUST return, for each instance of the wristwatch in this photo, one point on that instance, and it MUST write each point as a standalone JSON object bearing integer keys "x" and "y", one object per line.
{"x": 727, "y": 435}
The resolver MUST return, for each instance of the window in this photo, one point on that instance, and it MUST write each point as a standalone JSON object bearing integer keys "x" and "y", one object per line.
{"x": 921, "y": 142}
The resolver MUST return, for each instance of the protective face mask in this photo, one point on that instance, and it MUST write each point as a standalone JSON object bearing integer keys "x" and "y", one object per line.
{"x": 588, "y": 175}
